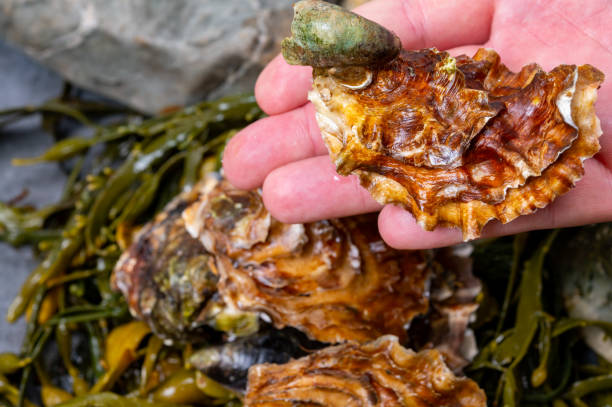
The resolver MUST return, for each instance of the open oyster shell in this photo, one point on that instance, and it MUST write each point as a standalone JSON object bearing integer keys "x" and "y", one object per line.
{"x": 456, "y": 141}
{"x": 336, "y": 280}
{"x": 379, "y": 373}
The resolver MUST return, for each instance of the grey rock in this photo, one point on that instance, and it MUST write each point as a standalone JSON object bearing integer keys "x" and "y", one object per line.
{"x": 23, "y": 82}
{"x": 151, "y": 54}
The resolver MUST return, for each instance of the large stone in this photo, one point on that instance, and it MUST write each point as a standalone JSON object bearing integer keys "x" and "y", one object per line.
{"x": 151, "y": 54}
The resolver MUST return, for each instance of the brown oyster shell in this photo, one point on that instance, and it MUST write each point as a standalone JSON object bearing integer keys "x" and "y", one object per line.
{"x": 380, "y": 373}
{"x": 452, "y": 306}
{"x": 166, "y": 277}
{"x": 335, "y": 280}
{"x": 460, "y": 141}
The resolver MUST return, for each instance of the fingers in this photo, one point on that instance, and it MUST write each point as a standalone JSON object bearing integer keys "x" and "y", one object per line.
{"x": 419, "y": 24}
{"x": 270, "y": 143}
{"x": 281, "y": 87}
{"x": 443, "y": 24}
{"x": 309, "y": 190}
{"x": 399, "y": 229}
{"x": 588, "y": 202}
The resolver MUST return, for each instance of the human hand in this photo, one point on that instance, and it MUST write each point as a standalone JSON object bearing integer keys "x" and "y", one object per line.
{"x": 285, "y": 152}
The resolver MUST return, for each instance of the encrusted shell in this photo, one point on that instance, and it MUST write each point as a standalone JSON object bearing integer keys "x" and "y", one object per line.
{"x": 166, "y": 277}
{"x": 326, "y": 35}
{"x": 380, "y": 373}
{"x": 169, "y": 281}
{"x": 336, "y": 280}
{"x": 459, "y": 141}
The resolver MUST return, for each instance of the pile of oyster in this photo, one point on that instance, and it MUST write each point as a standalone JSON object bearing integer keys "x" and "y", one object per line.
{"x": 216, "y": 269}
{"x": 324, "y": 313}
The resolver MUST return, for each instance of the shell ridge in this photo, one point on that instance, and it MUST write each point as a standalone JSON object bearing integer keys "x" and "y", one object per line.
{"x": 458, "y": 135}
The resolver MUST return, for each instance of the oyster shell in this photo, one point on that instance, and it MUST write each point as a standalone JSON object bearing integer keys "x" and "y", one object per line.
{"x": 354, "y": 41}
{"x": 456, "y": 141}
{"x": 168, "y": 279}
{"x": 374, "y": 374}
{"x": 335, "y": 280}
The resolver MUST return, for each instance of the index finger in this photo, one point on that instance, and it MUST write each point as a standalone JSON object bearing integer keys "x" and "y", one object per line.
{"x": 419, "y": 24}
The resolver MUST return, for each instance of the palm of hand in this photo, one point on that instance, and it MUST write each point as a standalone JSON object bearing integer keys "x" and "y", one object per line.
{"x": 554, "y": 33}
{"x": 285, "y": 153}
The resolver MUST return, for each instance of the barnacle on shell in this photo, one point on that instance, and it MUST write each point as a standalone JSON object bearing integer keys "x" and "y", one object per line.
{"x": 458, "y": 141}
{"x": 336, "y": 280}
{"x": 379, "y": 373}
{"x": 324, "y": 35}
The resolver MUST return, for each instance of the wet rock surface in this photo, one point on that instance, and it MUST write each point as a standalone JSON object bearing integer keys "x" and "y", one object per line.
{"x": 150, "y": 54}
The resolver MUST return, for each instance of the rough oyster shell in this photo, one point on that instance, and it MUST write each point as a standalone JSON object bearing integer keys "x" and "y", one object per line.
{"x": 336, "y": 280}
{"x": 168, "y": 279}
{"x": 375, "y": 374}
{"x": 165, "y": 276}
{"x": 459, "y": 141}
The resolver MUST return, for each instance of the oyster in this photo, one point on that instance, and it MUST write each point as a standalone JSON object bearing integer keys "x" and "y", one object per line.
{"x": 168, "y": 281}
{"x": 335, "y": 280}
{"x": 374, "y": 374}
{"x": 456, "y": 141}
{"x": 325, "y": 36}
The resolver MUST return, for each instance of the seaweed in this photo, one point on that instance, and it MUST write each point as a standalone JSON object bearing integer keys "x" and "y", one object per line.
{"x": 119, "y": 177}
